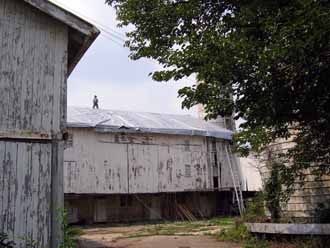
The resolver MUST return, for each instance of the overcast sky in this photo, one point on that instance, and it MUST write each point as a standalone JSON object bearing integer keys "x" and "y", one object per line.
{"x": 106, "y": 71}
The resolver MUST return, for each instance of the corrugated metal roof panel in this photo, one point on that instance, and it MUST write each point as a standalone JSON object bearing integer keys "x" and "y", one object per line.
{"x": 137, "y": 122}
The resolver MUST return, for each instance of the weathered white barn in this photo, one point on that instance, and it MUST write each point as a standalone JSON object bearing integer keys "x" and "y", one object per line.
{"x": 40, "y": 44}
{"x": 128, "y": 166}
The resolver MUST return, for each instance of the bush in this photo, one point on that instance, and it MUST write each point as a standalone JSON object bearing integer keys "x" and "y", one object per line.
{"x": 255, "y": 209}
{"x": 273, "y": 192}
{"x": 240, "y": 234}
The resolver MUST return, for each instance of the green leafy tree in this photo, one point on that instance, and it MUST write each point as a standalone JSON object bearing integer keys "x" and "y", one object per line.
{"x": 266, "y": 61}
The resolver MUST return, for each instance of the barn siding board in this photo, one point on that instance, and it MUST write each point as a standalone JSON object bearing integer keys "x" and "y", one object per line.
{"x": 166, "y": 169}
{"x": 102, "y": 169}
{"x": 143, "y": 165}
{"x": 57, "y": 191}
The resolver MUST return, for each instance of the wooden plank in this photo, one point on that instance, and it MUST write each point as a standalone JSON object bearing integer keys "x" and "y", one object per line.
{"x": 64, "y": 69}
{"x": 27, "y": 135}
{"x": 11, "y": 156}
{"x": 5, "y": 55}
{"x": 28, "y": 72}
{"x": 3, "y": 27}
{"x": 48, "y": 84}
{"x": 5, "y": 192}
{"x": 2, "y": 185}
{"x": 59, "y": 83}
{"x": 42, "y": 68}
{"x": 44, "y": 189}
{"x": 37, "y": 74}
{"x": 57, "y": 192}
{"x": 12, "y": 92}
{"x": 21, "y": 204}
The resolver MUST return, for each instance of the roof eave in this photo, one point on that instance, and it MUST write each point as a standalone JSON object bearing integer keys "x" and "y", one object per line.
{"x": 85, "y": 45}
{"x": 226, "y": 135}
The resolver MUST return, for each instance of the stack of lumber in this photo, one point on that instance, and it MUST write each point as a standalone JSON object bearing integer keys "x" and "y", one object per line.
{"x": 185, "y": 213}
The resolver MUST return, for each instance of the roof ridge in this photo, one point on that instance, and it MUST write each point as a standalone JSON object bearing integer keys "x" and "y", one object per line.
{"x": 132, "y": 111}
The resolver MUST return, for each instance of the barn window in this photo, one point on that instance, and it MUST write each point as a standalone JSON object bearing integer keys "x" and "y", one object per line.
{"x": 187, "y": 170}
{"x": 215, "y": 182}
{"x": 187, "y": 145}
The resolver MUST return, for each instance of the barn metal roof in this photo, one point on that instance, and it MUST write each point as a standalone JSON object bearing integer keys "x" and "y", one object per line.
{"x": 138, "y": 122}
{"x": 81, "y": 33}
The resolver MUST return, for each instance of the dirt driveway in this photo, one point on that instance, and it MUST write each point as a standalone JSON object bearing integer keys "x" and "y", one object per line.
{"x": 162, "y": 242}
{"x": 174, "y": 235}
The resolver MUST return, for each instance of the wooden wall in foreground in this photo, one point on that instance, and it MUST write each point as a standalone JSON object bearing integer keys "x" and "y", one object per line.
{"x": 33, "y": 65}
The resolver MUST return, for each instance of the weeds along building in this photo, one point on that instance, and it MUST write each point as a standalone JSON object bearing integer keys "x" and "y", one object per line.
{"x": 310, "y": 199}
{"x": 128, "y": 166}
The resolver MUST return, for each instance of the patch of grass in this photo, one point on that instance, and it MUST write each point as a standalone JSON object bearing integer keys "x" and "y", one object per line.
{"x": 183, "y": 228}
{"x": 237, "y": 233}
{"x": 222, "y": 221}
{"x": 240, "y": 234}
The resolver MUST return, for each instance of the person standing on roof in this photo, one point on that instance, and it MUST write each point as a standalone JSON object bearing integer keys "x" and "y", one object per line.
{"x": 95, "y": 103}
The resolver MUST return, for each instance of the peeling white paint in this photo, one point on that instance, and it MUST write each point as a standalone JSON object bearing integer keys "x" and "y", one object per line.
{"x": 114, "y": 163}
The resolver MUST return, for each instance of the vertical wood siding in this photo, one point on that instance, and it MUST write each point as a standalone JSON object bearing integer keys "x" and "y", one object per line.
{"x": 33, "y": 54}
{"x": 25, "y": 193}
{"x": 33, "y": 64}
{"x": 133, "y": 163}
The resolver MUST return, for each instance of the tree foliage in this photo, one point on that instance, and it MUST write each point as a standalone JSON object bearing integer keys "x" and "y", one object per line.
{"x": 266, "y": 61}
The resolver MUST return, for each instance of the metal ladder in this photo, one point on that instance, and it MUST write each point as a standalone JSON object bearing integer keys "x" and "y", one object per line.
{"x": 234, "y": 171}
